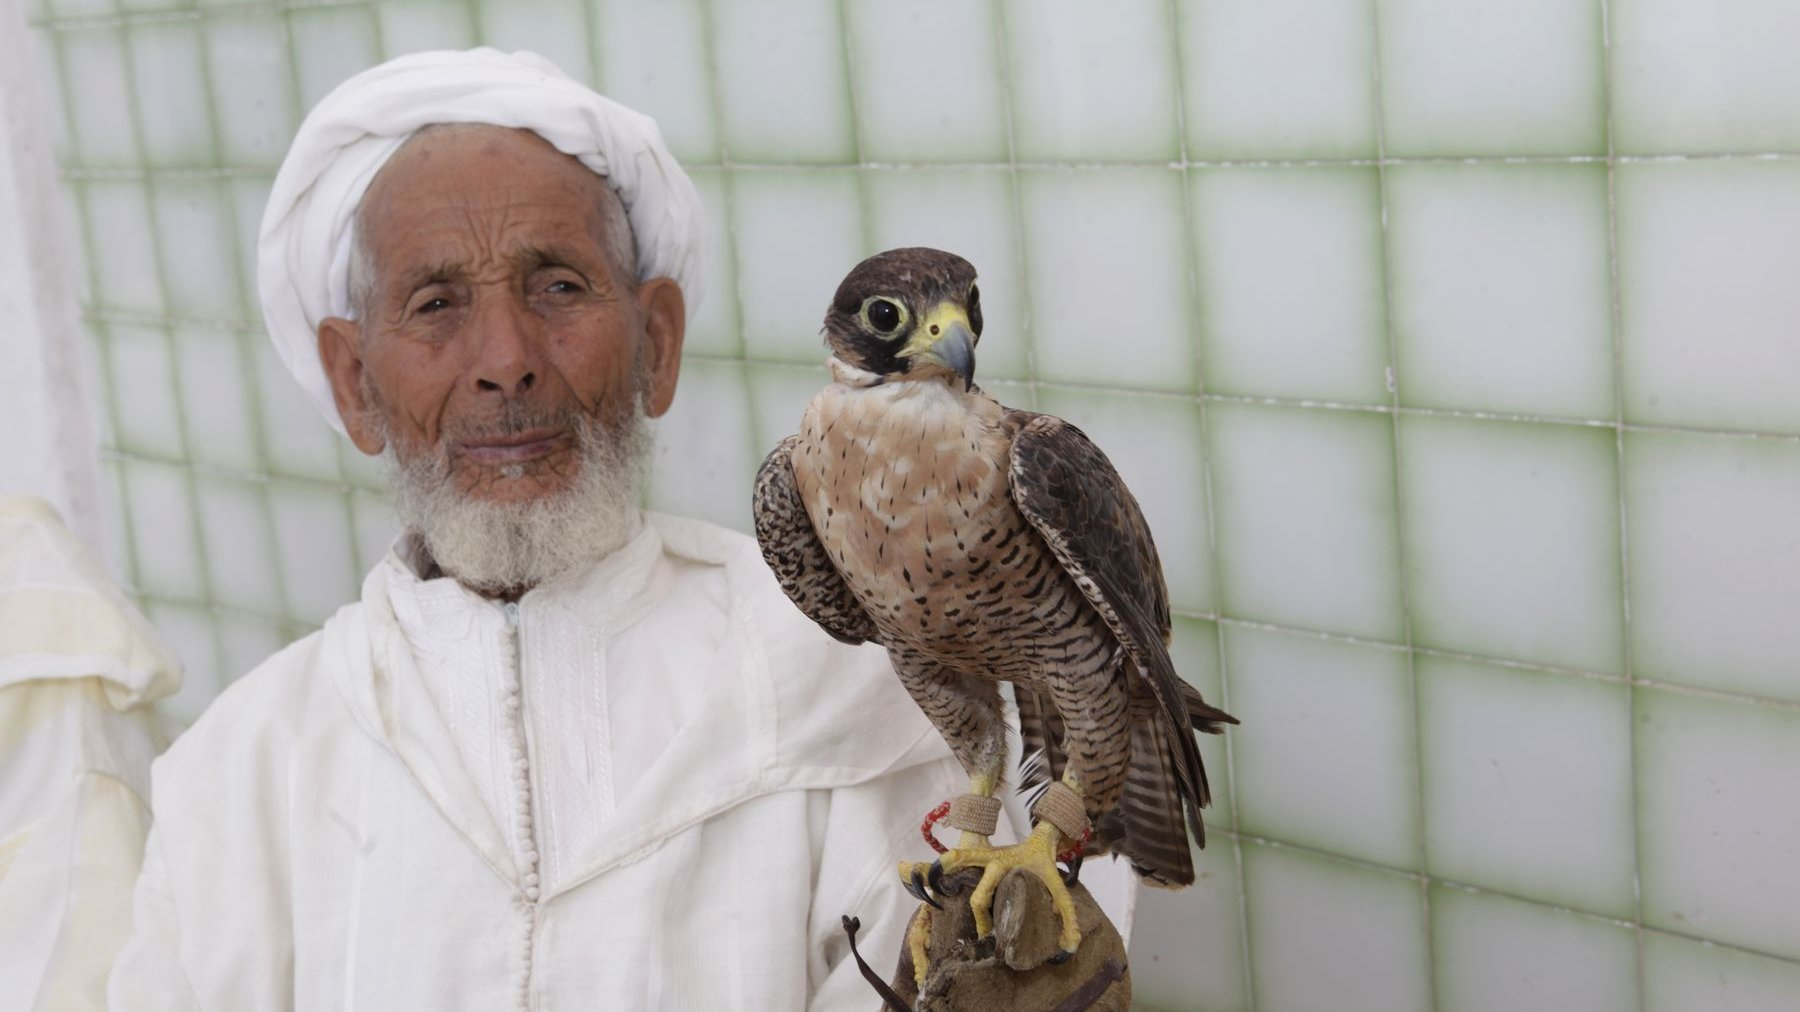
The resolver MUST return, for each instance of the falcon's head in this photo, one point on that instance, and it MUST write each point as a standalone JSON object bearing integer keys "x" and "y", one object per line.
{"x": 908, "y": 314}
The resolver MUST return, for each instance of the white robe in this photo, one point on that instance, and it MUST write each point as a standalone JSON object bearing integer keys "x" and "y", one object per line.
{"x": 708, "y": 784}
{"x": 80, "y": 671}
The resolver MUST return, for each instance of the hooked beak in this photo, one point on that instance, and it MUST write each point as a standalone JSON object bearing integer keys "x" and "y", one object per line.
{"x": 955, "y": 350}
{"x": 944, "y": 338}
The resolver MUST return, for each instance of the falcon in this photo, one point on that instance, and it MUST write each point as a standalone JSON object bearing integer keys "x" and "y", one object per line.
{"x": 980, "y": 544}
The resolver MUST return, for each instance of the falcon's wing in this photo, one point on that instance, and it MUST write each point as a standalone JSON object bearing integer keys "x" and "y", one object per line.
{"x": 800, "y": 562}
{"x": 1072, "y": 496}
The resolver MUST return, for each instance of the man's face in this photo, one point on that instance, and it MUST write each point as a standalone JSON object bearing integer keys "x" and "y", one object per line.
{"x": 495, "y": 322}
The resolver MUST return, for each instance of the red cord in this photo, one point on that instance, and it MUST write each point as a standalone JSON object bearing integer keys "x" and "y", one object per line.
{"x": 931, "y": 819}
{"x": 1075, "y": 851}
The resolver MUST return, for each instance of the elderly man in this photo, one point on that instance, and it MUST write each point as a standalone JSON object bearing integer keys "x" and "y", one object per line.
{"x": 560, "y": 753}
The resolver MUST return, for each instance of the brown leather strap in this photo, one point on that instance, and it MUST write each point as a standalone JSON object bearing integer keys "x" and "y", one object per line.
{"x": 973, "y": 813}
{"x": 1096, "y": 987}
{"x": 888, "y": 997}
{"x": 1061, "y": 807}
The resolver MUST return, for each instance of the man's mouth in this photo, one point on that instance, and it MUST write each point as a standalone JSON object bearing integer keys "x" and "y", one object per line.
{"x": 516, "y": 448}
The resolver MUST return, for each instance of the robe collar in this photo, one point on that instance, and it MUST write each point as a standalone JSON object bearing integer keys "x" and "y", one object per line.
{"x": 784, "y": 712}
{"x": 609, "y": 595}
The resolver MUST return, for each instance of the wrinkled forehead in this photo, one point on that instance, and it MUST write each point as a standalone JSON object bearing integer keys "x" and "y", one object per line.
{"x": 452, "y": 177}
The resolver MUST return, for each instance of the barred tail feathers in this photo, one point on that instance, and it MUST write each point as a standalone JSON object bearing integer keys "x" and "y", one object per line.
{"x": 1150, "y": 824}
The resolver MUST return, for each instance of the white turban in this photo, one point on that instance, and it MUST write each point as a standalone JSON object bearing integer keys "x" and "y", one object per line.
{"x": 303, "y": 250}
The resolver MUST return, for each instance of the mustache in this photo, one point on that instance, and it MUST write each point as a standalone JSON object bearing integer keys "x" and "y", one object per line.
{"x": 514, "y": 417}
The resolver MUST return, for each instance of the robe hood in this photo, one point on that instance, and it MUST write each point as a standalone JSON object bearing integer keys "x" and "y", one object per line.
{"x": 61, "y": 617}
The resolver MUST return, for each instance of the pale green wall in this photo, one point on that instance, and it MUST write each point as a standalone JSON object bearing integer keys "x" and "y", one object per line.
{"x": 1450, "y": 345}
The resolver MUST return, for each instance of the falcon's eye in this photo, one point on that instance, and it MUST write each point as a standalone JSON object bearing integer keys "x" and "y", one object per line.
{"x": 975, "y": 310}
{"x": 884, "y": 315}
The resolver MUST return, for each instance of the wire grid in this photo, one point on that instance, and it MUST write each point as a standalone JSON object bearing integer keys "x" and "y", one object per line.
{"x": 357, "y": 489}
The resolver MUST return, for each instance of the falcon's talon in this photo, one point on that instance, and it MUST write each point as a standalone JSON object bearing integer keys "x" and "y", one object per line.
{"x": 1073, "y": 875}
{"x": 938, "y": 884}
{"x": 1061, "y": 957}
{"x": 915, "y": 884}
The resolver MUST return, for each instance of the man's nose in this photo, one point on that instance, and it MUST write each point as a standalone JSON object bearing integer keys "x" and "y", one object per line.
{"x": 506, "y": 355}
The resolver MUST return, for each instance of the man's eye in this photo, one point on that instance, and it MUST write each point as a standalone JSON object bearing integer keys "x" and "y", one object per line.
{"x": 434, "y": 305}
{"x": 563, "y": 288}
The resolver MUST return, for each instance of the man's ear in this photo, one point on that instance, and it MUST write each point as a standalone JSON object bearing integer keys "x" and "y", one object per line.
{"x": 340, "y": 349}
{"x": 665, "y": 325}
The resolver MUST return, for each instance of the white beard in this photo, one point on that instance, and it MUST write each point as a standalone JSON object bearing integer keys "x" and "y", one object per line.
{"x": 505, "y": 547}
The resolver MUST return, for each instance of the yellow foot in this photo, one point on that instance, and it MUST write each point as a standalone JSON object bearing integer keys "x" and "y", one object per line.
{"x": 918, "y": 936}
{"x": 1036, "y": 854}
{"x": 914, "y": 875}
